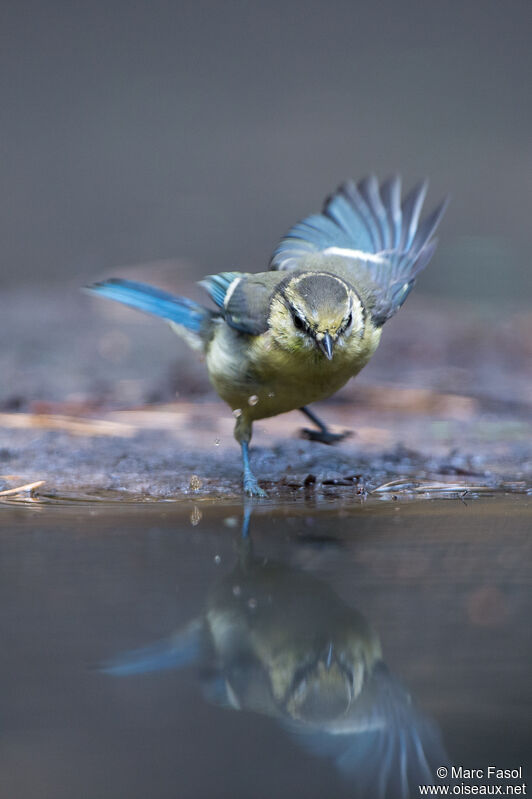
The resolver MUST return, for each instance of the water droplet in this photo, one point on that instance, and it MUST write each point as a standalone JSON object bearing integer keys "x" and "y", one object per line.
{"x": 252, "y": 603}
{"x": 195, "y": 483}
{"x": 237, "y": 590}
{"x": 237, "y": 413}
{"x": 253, "y": 399}
{"x": 195, "y": 516}
{"x": 216, "y": 442}
{"x": 217, "y": 560}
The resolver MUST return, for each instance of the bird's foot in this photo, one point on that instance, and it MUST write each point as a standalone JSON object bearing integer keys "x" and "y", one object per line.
{"x": 324, "y": 436}
{"x": 252, "y": 488}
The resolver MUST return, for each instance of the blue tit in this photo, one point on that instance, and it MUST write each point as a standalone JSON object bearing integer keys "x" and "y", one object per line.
{"x": 282, "y": 339}
{"x": 279, "y": 642}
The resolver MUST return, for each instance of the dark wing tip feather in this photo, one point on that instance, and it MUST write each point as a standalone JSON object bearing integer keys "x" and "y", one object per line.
{"x": 427, "y": 227}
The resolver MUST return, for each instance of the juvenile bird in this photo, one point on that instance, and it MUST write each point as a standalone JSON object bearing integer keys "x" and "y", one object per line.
{"x": 282, "y": 339}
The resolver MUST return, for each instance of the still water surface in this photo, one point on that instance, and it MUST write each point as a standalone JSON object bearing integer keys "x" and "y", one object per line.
{"x": 339, "y": 651}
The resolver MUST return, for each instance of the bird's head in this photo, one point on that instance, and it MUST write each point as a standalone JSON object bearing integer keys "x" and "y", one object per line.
{"x": 316, "y": 310}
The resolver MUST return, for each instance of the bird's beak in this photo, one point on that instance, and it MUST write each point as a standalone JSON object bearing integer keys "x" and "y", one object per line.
{"x": 325, "y": 343}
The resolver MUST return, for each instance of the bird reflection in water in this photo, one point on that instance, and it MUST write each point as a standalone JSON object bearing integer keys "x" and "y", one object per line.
{"x": 278, "y": 641}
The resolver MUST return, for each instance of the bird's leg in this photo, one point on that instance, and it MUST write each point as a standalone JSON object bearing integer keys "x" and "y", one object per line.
{"x": 243, "y": 436}
{"x": 323, "y": 433}
{"x": 251, "y": 487}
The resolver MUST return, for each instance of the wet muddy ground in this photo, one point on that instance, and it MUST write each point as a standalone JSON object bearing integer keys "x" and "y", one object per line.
{"x": 188, "y": 449}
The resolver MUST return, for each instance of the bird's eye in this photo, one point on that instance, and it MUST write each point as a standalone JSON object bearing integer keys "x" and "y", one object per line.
{"x": 298, "y": 322}
{"x": 349, "y": 321}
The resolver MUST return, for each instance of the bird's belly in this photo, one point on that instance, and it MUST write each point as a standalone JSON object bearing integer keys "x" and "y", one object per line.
{"x": 261, "y": 380}
{"x": 293, "y": 388}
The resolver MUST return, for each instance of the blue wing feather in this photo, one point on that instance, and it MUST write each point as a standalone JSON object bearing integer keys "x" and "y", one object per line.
{"x": 411, "y": 209}
{"x": 351, "y": 191}
{"x": 217, "y": 286}
{"x": 343, "y": 212}
{"x": 391, "y": 197}
{"x": 369, "y": 189}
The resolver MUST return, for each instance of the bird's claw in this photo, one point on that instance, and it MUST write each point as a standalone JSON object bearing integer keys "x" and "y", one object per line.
{"x": 253, "y": 489}
{"x": 324, "y": 436}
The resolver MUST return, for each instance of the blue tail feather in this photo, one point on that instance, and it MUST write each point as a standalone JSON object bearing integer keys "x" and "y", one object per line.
{"x": 154, "y": 301}
{"x": 179, "y": 650}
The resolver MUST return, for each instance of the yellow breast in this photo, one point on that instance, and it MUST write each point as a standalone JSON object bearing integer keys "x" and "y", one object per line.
{"x": 255, "y": 375}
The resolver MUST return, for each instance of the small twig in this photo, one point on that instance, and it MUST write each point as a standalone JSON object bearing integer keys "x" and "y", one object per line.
{"x": 67, "y": 424}
{"x": 20, "y": 489}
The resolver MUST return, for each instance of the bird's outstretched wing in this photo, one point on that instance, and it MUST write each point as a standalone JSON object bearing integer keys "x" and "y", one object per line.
{"x": 371, "y": 233}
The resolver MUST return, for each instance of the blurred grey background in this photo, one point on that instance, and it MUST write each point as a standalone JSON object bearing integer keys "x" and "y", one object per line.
{"x": 134, "y": 132}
